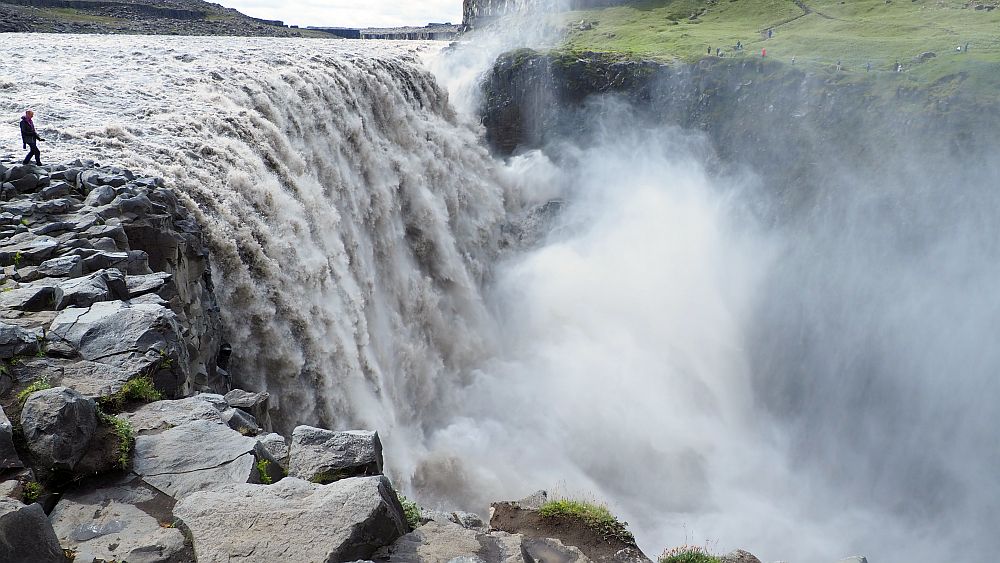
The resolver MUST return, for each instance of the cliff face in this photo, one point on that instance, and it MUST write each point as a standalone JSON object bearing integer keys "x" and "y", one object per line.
{"x": 779, "y": 120}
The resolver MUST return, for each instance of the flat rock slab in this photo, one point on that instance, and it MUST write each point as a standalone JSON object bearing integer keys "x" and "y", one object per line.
{"x": 193, "y": 456}
{"x": 163, "y": 415}
{"x": 26, "y": 534}
{"x": 294, "y": 520}
{"x": 323, "y": 456}
{"x": 106, "y": 524}
{"x": 444, "y": 542}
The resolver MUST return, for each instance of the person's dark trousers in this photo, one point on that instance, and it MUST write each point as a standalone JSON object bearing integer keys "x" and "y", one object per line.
{"x": 33, "y": 153}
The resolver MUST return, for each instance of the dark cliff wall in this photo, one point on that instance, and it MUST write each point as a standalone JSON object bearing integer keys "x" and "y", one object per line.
{"x": 476, "y": 12}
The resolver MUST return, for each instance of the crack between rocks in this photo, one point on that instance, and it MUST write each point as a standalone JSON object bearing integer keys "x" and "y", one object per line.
{"x": 223, "y": 464}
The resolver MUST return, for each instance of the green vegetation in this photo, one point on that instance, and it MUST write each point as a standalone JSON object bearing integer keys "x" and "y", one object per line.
{"x": 32, "y": 490}
{"x": 262, "y": 469}
{"x": 597, "y": 517}
{"x": 139, "y": 389}
{"x": 125, "y": 434}
{"x": 40, "y": 384}
{"x": 688, "y": 554}
{"x": 17, "y": 259}
{"x": 74, "y": 15}
{"x": 816, "y": 33}
{"x": 327, "y": 477}
{"x": 411, "y": 510}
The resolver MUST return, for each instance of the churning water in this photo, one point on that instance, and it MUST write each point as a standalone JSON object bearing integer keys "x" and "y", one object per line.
{"x": 805, "y": 397}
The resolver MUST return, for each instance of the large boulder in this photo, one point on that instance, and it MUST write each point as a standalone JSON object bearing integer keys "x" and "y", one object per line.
{"x": 163, "y": 415}
{"x": 58, "y": 424}
{"x": 253, "y": 403}
{"x": 8, "y": 455}
{"x": 194, "y": 456}
{"x": 26, "y": 534}
{"x": 324, "y": 456}
{"x": 138, "y": 337}
{"x": 107, "y": 524}
{"x": 294, "y": 520}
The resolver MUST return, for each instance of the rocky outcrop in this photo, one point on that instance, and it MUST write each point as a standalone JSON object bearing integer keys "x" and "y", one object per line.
{"x": 294, "y": 520}
{"x": 479, "y": 12}
{"x": 8, "y": 454}
{"x": 322, "y": 456}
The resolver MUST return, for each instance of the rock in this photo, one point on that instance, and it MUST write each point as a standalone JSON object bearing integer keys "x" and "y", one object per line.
{"x": 55, "y": 206}
{"x": 26, "y": 183}
{"x": 8, "y": 455}
{"x": 534, "y": 501}
{"x": 444, "y": 542}
{"x": 294, "y": 520}
{"x": 106, "y": 524}
{"x": 105, "y": 285}
{"x": 324, "y": 456}
{"x": 55, "y": 191}
{"x": 469, "y": 520}
{"x": 101, "y": 195}
{"x": 241, "y": 421}
{"x": 16, "y": 341}
{"x": 855, "y": 559}
{"x": 132, "y": 262}
{"x": 135, "y": 337}
{"x": 274, "y": 448}
{"x": 28, "y": 249}
{"x": 163, "y": 415}
{"x": 253, "y": 403}
{"x": 194, "y": 456}
{"x": 739, "y": 556}
{"x": 62, "y": 267}
{"x": 58, "y": 424}
{"x": 31, "y": 298}
{"x": 148, "y": 283}
{"x": 26, "y": 534}
{"x": 925, "y": 56}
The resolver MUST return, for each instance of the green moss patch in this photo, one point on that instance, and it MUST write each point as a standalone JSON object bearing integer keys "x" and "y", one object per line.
{"x": 597, "y": 517}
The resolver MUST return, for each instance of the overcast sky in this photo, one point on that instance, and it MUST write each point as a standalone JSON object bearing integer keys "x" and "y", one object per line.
{"x": 351, "y": 13}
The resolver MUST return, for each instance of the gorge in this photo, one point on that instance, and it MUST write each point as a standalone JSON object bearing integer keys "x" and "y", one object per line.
{"x": 744, "y": 304}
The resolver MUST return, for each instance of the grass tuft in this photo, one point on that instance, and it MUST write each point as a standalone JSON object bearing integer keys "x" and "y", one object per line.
{"x": 262, "y": 468}
{"x": 139, "y": 389}
{"x": 596, "y": 516}
{"x": 32, "y": 490}
{"x": 688, "y": 554}
{"x": 126, "y": 438}
{"x": 40, "y": 384}
{"x": 411, "y": 510}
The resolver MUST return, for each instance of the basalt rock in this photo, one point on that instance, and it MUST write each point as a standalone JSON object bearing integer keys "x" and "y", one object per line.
{"x": 58, "y": 424}
{"x": 324, "y": 456}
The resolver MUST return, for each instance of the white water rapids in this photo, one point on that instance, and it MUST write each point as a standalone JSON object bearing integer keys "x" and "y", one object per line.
{"x": 355, "y": 220}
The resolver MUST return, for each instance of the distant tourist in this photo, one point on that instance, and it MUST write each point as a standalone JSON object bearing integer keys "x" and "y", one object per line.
{"x": 770, "y": 33}
{"x": 739, "y": 45}
{"x": 763, "y": 53}
{"x": 718, "y": 51}
{"x": 30, "y": 138}
{"x": 839, "y": 66}
{"x": 709, "y": 50}
{"x": 869, "y": 66}
{"x": 793, "y": 60}
{"x": 966, "y": 47}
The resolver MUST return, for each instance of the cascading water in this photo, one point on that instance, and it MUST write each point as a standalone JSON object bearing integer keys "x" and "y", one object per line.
{"x": 657, "y": 348}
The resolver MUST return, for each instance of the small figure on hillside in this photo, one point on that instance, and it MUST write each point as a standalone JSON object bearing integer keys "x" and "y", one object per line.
{"x": 793, "y": 61}
{"x": 770, "y": 33}
{"x": 709, "y": 50}
{"x": 839, "y": 66}
{"x": 763, "y": 53}
{"x": 718, "y": 51}
{"x": 868, "y": 67}
{"x": 739, "y": 45}
{"x": 966, "y": 47}
{"x": 30, "y": 138}
{"x": 899, "y": 66}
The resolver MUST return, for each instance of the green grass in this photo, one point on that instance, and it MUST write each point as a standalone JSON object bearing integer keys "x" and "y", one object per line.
{"x": 262, "y": 469}
{"x": 411, "y": 511}
{"x": 74, "y": 15}
{"x": 32, "y": 490}
{"x": 854, "y": 33}
{"x": 38, "y": 385}
{"x": 688, "y": 554}
{"x": 139, "y": 389}
{"x": 596, "y": 516}
{"x": 126, "y": 438}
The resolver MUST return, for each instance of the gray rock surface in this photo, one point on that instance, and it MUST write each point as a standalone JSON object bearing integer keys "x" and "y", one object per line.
{"x": 16, "y": 341}
{"x": 58, "y": 424}
{"x": 194, "y": 456}
{"x": 294, "y": 520}
{"x": 8, "y": 455}
{"x": 324, "y": 456}
{"x": 739, "y": 556}
{"x": 26, "y": 536}
{"x": 162, "y": 415}
{"x": 256, "y": 404}
{"x": 107, "y": 524}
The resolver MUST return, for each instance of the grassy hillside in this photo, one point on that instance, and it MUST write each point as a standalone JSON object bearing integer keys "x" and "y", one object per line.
{"x": 817, "y": 33}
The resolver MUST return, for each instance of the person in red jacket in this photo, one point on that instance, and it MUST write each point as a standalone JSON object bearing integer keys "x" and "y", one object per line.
{"x": 30, "y": 138}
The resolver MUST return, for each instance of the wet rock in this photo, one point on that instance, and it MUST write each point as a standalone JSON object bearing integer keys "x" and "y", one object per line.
{"x": 101, "y": 195}
{"x": 132, "y": 262}
{"x": 294, "y": 520}
{"x": 194, "y": 456}
{"x": 241, "y": 421}
{"x": 8, "y": 455}
{"x": 58, "y": 424}
{"x": 26, "y": 534}
{"x": 106, "y": 524}
{"x": 324, "y": 456}
{"x": 17, "y": 341}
